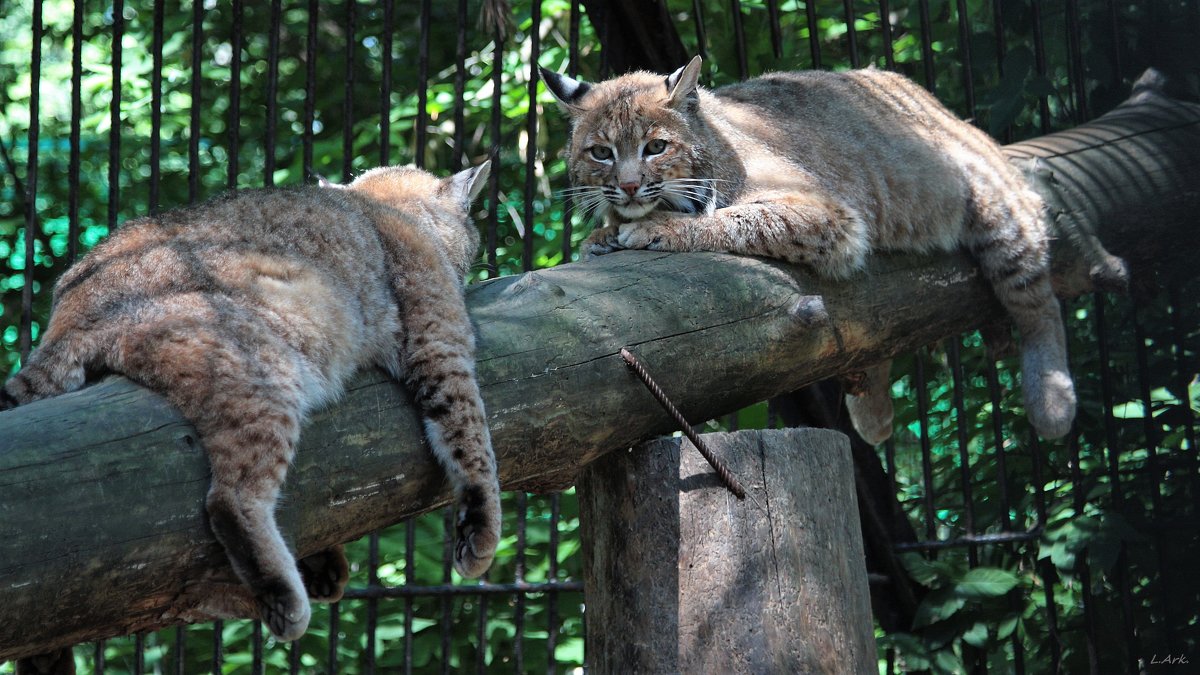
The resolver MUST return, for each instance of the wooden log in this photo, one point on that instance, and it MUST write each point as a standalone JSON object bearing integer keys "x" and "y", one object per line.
{"x": 682, "y": 577}
{"x": 101, "y": 527}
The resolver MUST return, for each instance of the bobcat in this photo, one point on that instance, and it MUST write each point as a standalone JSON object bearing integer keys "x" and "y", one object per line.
{"x": 817, "y": 168}
{"x": 251, "y": 310}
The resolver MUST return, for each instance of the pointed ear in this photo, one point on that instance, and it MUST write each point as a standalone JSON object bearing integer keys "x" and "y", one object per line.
{"x": 567, "y": 91}
{"x": 467, "y": 184}
{"x": 682, "y": 83}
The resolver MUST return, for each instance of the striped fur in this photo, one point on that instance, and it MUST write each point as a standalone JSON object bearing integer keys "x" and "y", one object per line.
{"x": 251, "y": 310}
{"x": 817, "y": 168}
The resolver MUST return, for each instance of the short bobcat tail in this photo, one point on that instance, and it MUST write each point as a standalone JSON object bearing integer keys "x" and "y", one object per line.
{"x": 51, "y": 370}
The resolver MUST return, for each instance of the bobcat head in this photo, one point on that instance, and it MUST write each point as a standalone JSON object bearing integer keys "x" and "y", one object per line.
{"x": 637, "y": 143}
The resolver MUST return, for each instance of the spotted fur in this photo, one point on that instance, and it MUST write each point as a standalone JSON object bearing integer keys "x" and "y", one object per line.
{"x": 249, "y": 311}
{"x": 817, "y": 168}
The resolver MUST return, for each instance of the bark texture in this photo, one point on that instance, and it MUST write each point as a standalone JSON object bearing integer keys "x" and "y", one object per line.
{"x": 101, "y": 491}
{"x": 682, "y": 577}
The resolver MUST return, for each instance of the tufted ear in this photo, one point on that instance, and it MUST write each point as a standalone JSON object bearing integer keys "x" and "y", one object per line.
{"x": 682, "y": 83}
{"x": 468, "y": 183}
{"x": 567, "y": 91}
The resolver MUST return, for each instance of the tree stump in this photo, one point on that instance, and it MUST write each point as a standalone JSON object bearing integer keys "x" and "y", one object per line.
{"x": 680, "y": 576}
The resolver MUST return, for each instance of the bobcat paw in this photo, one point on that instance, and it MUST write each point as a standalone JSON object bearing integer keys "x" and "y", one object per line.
{"x": 1050, "y": 404}
{"x": 285, "y": 611}
{"x": 325, "y": 574}
{"x": 602, "y": 240}
{"x": 660, "y": 233}
{"x": 478, "y": 532}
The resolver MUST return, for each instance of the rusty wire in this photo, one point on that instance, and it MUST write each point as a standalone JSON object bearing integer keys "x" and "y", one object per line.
{"x": 723, "y": 471}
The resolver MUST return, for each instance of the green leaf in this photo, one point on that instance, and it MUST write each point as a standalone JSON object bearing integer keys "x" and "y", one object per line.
{"x": 977, "y": 636}
{"x": 985, "y": 582}
{"x": 939, "y": 605}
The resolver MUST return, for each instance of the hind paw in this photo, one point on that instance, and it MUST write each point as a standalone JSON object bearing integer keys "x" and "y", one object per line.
{"x": 285, "y": 612}
{"x": 325, "y": 574}
{"x": 1051, "y": 405}
{"x": 478, "y": 534}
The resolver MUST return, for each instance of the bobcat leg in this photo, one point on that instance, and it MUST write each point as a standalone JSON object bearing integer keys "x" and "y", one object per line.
{"x": 1007, "y": 240}
{"x": 438, "y": 366}
{"x": 871, "y": 407}
{"x": 797, "y": 227}
{"x": 602, "y": 240}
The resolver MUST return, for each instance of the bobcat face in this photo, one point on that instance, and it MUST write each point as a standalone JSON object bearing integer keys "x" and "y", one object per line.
{"x": 632, "y": 149}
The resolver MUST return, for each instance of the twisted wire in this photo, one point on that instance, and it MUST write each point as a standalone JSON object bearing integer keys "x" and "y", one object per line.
{"x": 723, "y": 471}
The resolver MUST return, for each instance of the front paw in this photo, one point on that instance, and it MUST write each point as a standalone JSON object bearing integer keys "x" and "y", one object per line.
{"x": 602, "y": 240}
{"x": 652, "y": 235}
{"x": 325, "y": 574}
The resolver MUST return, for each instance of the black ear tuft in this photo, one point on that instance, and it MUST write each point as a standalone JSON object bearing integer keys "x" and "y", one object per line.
{"x": 567, "y": 91}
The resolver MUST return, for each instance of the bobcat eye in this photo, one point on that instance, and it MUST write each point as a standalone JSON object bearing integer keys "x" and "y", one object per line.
{"x": 655, "y": 147}
{"x": 601, "y": 153}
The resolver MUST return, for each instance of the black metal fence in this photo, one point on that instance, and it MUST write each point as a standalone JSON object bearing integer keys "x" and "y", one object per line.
{"x": 174, "y": 101}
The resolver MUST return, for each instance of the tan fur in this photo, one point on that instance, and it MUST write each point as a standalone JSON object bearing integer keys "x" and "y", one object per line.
{"x": 817, "y": 168}
{"x": 250, "y": 311}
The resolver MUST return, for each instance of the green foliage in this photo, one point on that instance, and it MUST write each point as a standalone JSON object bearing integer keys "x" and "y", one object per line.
{"x": 1106, "y": 510}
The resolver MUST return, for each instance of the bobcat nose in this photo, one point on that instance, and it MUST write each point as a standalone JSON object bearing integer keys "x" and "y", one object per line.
{"x": 630, "y": 188}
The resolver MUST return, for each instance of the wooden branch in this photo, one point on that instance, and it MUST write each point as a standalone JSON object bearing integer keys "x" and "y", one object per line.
{"x": 101, "y": 491}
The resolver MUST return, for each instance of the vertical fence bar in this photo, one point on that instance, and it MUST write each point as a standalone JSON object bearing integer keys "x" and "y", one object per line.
{"x": 180, "y": 649}
{"x": 814, "y": 33}
{"x": 739, "y": 37}
{"x": 552, "y": 596}
{"x": 156, "y": 105}
{"x": 927, "y": 499}
{"x": 531, "y": 134}
{"x": 348, "y": 99}
{"x": 422, "y": 85}
{"x": 335, "y": 616}
{"x": 1044, "y": 566}
{"x": 493, "y": 220}
{"x": 272, "y": 92}
{"x": 1151, "y": 433}
{"x": 294, "y": 658}
{"x": 114, "y": 113}
{"x": 1039, "y": 60}
{"x": 1114, "y": 25}
{"x": 98, "y": 665}
{"x": 885, "y": 21}
{"x": 310, "y": 88}
{"x": 964, "y": 48}
{"x": 410, "y": 545}
{"x": 460, "y": 83}
{"x": 1121, "y": 580}
{"x": 218, "y": 656}
{"x": 256, "y": 648}
{"x": 927, "y": 46}
{"x": 519, "y": 619}
{"x": 194, "y": 123}
{"x": 1075, "y": 63}
{"x": 851, "y": 33}
{"x": 139, "y": 654}
{"x": 1014, "y": 600}
{"x": 447, "y": 556}
{"x": 31, "y": 184}
{"x": 76, "y": 121}
{"x": 235, "y": 95}
{"x": 701, "y": 38}
{"x": 385, "y": 94}
{"x": 572, "y": 71}
{"x": 1001, "y": 51}
{"x": 776, "y": 29}
{"x": 372, "y": 602}
{"x": 1079, "y": 496}
{"x": 1182, "y": 378}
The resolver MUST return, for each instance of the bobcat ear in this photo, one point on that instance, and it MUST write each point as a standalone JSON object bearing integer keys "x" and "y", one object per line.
{"x": 567, "y": 91}
{"x": 682, "y": 83}
{"x": 467, "y": 184}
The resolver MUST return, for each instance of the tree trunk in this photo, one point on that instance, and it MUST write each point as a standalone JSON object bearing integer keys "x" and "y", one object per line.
{"x": 96, "y": 540}
{"x": 682, "y": 577}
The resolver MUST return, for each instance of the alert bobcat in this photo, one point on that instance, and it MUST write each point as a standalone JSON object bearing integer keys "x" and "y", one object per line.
{"x": 817, "y": 168}
{"x": 249, "y": 311}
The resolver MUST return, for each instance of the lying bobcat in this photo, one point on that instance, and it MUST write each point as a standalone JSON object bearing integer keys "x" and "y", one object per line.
{"x": 817, "y": 168}
{"x": 249, "y": 311}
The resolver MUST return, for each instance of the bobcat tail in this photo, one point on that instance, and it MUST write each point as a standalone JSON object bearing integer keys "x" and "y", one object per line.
{"x": 51, "y": 370}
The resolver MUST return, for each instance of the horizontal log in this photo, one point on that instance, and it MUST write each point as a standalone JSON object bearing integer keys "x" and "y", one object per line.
{"x": 101, "y": 491}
